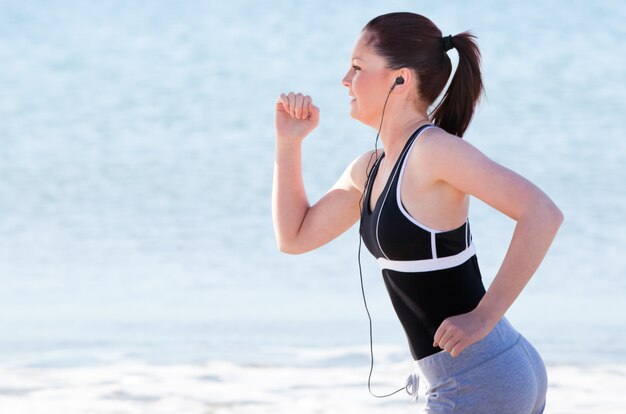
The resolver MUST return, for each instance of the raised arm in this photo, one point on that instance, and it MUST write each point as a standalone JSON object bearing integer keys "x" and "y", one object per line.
{"x": 298, "y": 226}
{"x": 461, "y": 165}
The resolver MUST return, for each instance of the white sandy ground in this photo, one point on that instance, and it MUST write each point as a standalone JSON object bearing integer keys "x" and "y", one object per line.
{"x": 225, "y": 388}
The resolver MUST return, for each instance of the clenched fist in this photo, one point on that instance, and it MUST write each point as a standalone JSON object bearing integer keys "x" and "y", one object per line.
{"x": 296, "y": 117}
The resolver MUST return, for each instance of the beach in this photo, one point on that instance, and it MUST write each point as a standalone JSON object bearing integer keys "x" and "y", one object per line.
{"x": 224, "y": 388}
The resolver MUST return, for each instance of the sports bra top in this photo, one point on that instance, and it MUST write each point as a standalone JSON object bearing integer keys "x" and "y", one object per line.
{"x": 429, "y": 274}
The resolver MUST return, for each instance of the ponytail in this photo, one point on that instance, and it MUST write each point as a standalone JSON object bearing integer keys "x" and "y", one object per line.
{"x": 455, "y": 110}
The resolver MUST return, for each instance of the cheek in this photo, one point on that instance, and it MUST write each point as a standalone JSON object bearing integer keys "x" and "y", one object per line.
{"x": 359, "y": 86}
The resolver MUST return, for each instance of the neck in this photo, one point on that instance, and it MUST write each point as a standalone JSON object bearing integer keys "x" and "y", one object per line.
{"x": 397, "y": 128}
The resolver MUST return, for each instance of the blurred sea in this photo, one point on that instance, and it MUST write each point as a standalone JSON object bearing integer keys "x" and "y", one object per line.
{"x": 136, "y": 157}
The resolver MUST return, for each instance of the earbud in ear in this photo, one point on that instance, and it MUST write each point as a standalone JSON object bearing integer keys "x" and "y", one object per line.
{"x": 399, "y": 80}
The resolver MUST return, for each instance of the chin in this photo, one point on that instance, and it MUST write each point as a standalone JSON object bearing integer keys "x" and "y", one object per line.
{"x": 354, "y": 113}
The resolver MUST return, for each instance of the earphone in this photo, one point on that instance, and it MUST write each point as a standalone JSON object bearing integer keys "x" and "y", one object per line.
{"x": 398, "y": 81}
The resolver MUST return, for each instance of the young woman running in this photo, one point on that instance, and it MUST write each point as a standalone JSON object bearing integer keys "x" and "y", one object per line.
{"x": 412, "y": 200}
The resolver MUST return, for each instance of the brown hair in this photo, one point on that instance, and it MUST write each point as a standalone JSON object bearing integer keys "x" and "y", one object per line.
{"x": 408, "y": 40}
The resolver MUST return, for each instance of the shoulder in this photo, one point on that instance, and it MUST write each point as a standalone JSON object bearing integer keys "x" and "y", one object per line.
{"x": 367, "y": 159}
{"x": 360, "y": 166}
{"x": 436, "y": 140}
{"x": 437, "y": 149}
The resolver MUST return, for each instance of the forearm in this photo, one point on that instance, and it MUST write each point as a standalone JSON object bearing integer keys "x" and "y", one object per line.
{"x": 531, "y": 240}
{"x": 289, "y": 200}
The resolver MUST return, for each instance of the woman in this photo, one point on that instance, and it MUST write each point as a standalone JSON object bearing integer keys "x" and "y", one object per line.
{"x": 412, "y": 200}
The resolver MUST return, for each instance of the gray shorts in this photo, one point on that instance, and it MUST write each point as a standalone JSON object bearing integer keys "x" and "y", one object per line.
{"x": 501, "y": 373}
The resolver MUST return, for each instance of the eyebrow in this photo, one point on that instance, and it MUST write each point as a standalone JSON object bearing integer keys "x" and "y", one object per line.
{"x": 358, "y": 58}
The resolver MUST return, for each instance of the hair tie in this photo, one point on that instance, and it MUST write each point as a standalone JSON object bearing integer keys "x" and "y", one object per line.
{"x": 447, "y": 43}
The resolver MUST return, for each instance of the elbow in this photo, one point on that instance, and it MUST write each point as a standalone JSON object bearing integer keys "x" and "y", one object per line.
{"x": 553, "y": 215}
{"x": 289, "y": 248}
{"x": 558, "y": 216}
{"x": 544, "y": 213}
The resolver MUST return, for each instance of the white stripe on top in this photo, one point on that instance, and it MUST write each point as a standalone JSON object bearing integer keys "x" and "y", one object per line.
{"x": 427, "y": 265}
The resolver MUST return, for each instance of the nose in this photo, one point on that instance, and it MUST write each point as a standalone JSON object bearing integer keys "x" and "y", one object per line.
{"x": 347, "y": 80}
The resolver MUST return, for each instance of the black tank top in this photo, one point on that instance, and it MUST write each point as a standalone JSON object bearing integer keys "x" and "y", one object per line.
{"x": 429, "y": 274}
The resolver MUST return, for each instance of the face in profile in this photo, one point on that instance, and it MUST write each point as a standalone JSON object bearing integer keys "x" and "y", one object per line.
{"x": 368, "y": 81}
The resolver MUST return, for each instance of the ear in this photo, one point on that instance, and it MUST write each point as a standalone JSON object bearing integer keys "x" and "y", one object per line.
{"x": 408, "y": 76}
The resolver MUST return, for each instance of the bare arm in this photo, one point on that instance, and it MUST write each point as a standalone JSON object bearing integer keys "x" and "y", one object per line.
{"x": 464, "y": 167}
{"x": 298, "y": 226}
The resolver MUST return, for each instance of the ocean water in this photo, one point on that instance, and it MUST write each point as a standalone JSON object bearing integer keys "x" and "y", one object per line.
{"x": 138, "y": 267}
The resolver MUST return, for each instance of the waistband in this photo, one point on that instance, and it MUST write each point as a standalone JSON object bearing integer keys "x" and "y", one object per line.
{"x": 442, "y": 365}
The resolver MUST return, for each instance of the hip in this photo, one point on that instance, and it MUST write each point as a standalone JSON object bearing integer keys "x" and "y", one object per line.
{"x": 501, "y": 370}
